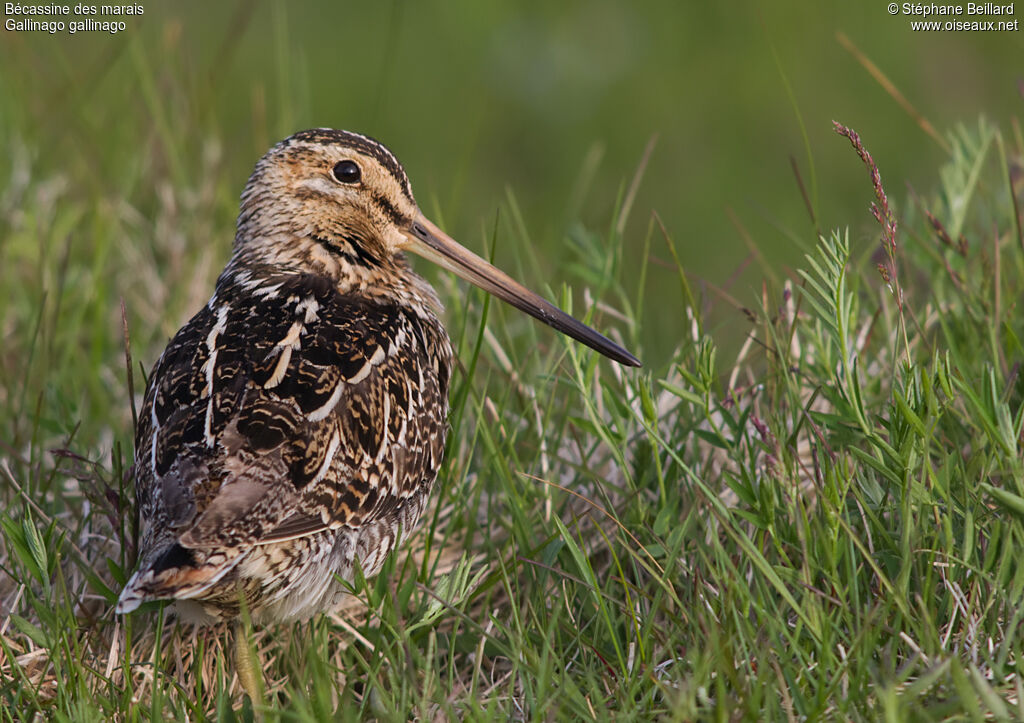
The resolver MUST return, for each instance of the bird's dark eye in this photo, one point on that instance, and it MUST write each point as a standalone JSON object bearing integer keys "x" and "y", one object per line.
{"x": 347, "y": 172}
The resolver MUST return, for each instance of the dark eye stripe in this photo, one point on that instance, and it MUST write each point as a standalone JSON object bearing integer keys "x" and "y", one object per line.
{"x": 356, "y": 253}
{"x": 386, "y": 206}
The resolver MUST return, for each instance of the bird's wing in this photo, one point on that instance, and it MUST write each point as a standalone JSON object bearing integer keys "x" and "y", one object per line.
{"x": 286, "y": 408}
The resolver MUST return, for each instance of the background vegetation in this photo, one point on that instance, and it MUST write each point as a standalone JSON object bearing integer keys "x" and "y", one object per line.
{"x": 807, "y": 505}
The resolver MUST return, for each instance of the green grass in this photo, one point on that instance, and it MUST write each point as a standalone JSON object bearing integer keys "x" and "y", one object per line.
{"x": 828, "y": 526}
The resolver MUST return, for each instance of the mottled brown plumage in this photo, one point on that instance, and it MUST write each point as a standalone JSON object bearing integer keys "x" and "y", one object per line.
{"x": 296, "y": 423}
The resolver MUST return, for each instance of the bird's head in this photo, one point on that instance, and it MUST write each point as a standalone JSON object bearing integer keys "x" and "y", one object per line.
{"x": 339, "y": 203}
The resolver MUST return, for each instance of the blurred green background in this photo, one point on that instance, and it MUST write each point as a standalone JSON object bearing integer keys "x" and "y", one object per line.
{"x": 551, "y": 102}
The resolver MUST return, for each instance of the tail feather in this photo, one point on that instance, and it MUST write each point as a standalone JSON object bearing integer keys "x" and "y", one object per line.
{"x": 176, "y": 573}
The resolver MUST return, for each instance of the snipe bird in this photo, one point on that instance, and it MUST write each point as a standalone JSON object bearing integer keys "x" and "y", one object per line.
{"x": 295, "y": 425}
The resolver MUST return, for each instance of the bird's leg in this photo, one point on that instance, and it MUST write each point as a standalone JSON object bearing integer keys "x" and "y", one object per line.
{"x": 250, "y": 673}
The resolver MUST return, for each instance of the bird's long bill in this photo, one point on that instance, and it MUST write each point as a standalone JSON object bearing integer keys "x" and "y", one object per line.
{"x": 432, "y": 243}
